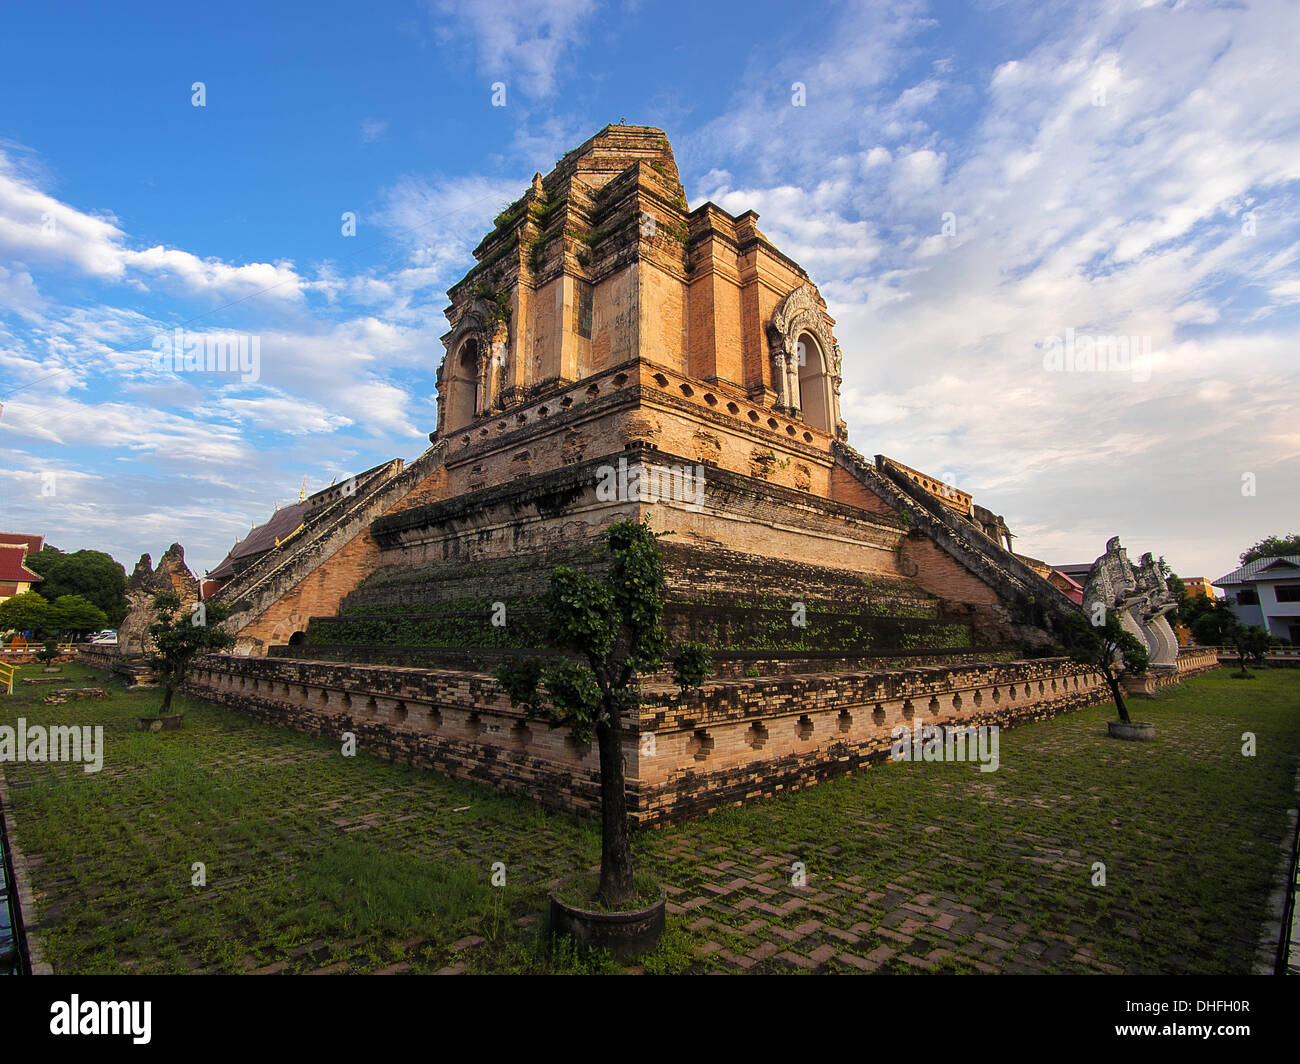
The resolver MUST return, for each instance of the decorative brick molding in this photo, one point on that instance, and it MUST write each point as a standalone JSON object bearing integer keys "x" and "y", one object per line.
{"x": 1195, "y": 660}
{"x": 729, "y": 742}
{"x": 459, "y": 723}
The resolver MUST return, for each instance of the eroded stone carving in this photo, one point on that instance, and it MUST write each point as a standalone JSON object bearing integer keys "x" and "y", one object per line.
{"x": 1140, "y": 597}
{"x": 172, "y": 575}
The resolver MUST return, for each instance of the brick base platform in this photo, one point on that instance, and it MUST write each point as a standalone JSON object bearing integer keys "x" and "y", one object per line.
{"x": 723, "y": 745}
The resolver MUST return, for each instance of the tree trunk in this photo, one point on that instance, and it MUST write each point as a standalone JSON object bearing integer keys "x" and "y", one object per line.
{"x": 167, "y": 699}
{"x": 615, "y": 843}
{"x": 1118, "y": 695}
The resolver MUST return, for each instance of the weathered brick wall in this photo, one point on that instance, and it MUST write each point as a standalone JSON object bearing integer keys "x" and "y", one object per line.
{"x": 661, "y": 315}
{"x": 846, "y": 488}
{"x": 281, "y": 583}
{"x": 723, "y": 745}
{"x": 132, "y": 668}
{"x": 737, "y": 279}
{"x": 735, "y": 741}
{"x": 1037, "y": 609}
{"x": 731, "y": 601}
{"x": 561, "y": 507}
{"x": 752, "y": 664}
{"x": 639, "y": 402}
{"x": 433, "y": 488}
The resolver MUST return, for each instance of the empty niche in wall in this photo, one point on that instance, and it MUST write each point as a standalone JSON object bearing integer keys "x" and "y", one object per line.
{"x": 701, "y": 745}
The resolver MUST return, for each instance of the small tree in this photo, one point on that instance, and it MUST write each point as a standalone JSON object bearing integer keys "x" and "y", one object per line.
{"x": 614, "y": 626}
{"x": 1108, "y": 650}
{"x": 1261, "y": 644}
{"x": 48, "y": 652}
{"x": 178, "y": 637}
{"x": 1250, "y": 642}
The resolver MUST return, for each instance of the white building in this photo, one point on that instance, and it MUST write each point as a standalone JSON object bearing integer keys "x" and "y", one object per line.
{"x": 1266, "y": 592}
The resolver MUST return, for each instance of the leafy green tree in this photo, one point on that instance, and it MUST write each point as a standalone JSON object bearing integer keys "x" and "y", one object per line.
{"x": 179, "y": 636}
{"x": 1109, "y": 651}
{"x": 1214, "y": 626}
{"x": 612, "y": 628}
{"x": 73, "y": 614}
{"x": 26, "y": 612}
{"x": 92, "y": 574}
{"x": 1272, "y": 547}
{"x": 1195, "y": 606}
{"x": 43, "y": 560}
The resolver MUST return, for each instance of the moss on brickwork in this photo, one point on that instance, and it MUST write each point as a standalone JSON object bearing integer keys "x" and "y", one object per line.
{"x": 468, "y": 623}
{"x": 731, "y": 601}
{"x": 464, "y": 628}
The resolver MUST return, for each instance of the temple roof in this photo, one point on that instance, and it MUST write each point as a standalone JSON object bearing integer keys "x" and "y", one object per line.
{"x": 265, "y": 536}
{"x": 11, "y": 564}
{"x": 31, "y": 542}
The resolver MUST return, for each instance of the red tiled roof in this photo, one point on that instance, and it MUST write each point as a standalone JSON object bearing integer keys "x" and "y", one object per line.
{"x": 32, "y": 543}
{"x": 11, "y": 564}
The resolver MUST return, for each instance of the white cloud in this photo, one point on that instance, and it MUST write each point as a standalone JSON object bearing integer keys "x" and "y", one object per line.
{"x": 1121, "y": 219}
{"x": 18, "y": 292}
{"x": 916, "y": 174}
{"x": 69, "y": 422}
{"x": 522, "y": 42}
{"x": 284, "y": 414}
{"x": 40, "y": 230}
{"x": 211, "y": 275}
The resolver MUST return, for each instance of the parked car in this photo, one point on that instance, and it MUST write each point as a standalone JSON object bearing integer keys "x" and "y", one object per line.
{"x": 107, "y": 637}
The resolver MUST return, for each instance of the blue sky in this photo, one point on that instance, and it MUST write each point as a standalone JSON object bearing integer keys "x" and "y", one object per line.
{"x": 963, "y": 182}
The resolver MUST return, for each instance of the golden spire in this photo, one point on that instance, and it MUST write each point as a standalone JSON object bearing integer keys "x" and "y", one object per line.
{"x": 303, "y": 493}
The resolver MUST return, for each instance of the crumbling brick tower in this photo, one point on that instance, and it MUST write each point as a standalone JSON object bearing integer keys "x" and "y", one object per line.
{"x": 604, "y": 321}
{"x": 606, "y": 329}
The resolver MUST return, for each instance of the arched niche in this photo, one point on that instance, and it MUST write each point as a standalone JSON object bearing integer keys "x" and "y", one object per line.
{"x": 462, "y": 387}
{"x": 816, "y": 388}
{"x": 805, "y": 360}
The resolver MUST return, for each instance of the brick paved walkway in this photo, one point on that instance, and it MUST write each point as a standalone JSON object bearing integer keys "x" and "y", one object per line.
{"x": 319, "y": 864}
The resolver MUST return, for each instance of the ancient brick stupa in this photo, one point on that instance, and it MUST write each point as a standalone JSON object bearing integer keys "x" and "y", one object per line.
{"x": 614, "y": 354}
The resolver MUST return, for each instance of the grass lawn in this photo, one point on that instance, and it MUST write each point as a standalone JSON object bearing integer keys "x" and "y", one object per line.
{"x": 316, "y": 861}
